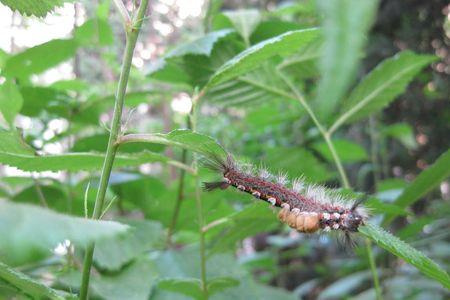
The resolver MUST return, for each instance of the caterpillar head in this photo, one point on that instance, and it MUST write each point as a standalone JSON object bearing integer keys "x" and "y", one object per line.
{"x": 355, "y": 218}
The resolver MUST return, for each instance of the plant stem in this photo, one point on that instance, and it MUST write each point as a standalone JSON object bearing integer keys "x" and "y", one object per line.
{"x": 373, "y": 151}
{"x": 180, "y": 196}
{"x": 39, "y": 192}
{"x": 202, "y": 238}
{"x": 319, "y": 126}
{"x": 132, "y": 32}
{"x": 180, "y": 193}
{"x": 344, "y": 179}
{"x": 198, "y": 200}
{"x": 373, "y": 269}
{"x": 337, "y": 160}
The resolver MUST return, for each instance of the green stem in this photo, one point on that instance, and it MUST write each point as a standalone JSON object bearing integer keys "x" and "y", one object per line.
{"x": 373, "y": 269}
{"x": 180, "y": 193}
{"x": 180, "y": 196}
{"x": 344, "y": 179}
{"x": 132, "y": 33}
{"x": 319, "y": 126}
{"x": 373, "y": 151}
{"x": 337, "y": 160}
{"x": 198, "y": 200}
{"x": 202, "y": 238}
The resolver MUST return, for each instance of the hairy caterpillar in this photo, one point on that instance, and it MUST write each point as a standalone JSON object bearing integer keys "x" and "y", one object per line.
{"x": 304, "y": 207}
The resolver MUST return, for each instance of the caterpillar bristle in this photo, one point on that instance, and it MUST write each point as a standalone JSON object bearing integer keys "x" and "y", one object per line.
{"x": 264, "y": 174}
{"x": 282, "y": 179}
{"x": 298, "y": 185}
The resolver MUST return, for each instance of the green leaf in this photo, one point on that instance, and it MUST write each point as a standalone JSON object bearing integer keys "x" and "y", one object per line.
{"x": 187, "y": 286}
{"x": 252, "y": 58}
{"x": 38, "y": 8}
{"x": 271, "y": 28}
{"x": 76, "y": 85}
{"x": 30, "y": 286}
{"x": 113, "y": 253}
{"x": 39, "y": 99}
{"x": 185, "y": 263}
{"x": 99, "y": 142}
{"x": 182, "y": 138}
{"x": 244, "y": 21}
{"x": 414, "y": 229}
{"x": 201, "y": 46}
{"x": 42, "y": 57}
{"x": 28, "y": 231}
{"x": 345, "y": 25}
{"x": 192, "y": 286}
{"x": 407, "y": 253}
{"x": 403, "y": 132}
{"x": 250, "y": 90}
{"x": 378, "y": 207}
{"x": 189, "y": 61}
{"x": 381, "y": 86}
{"x": 297, "y": 162}
{"x": 253, "y": 219}
{"x": 76, "y": 161}
{"x": 94, "y": 32}
{"x": 10, "y": 101}
{"x": 221, "y": 283}
{"x": 343, "y": 287}
{"x": 429, "y": 179}
{"x": 16, "y": 153}
{"x": 347, "y": 151}
{"x": 134, "y": 282}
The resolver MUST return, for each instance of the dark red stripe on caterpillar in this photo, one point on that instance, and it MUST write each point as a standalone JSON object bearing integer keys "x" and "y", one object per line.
{"x": 305, "y": 207}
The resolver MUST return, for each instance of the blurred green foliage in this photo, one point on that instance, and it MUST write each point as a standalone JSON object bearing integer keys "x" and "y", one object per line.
{"x": 276, "y": 83}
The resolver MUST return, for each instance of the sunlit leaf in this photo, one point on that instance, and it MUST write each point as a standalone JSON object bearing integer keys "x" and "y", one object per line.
{"x": 285, "y": 44}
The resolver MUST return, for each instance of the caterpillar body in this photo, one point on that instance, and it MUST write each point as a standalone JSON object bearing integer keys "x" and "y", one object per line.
{"x": 304, "y": 207}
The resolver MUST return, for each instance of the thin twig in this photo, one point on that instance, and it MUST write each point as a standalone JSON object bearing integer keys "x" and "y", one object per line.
{"x": 123, "y": 12}
{"x": 86, "y": 192}
{"x": 39, "y": 192}
{"x": 107, "y": 207}
{"x": 214, "y": 224}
